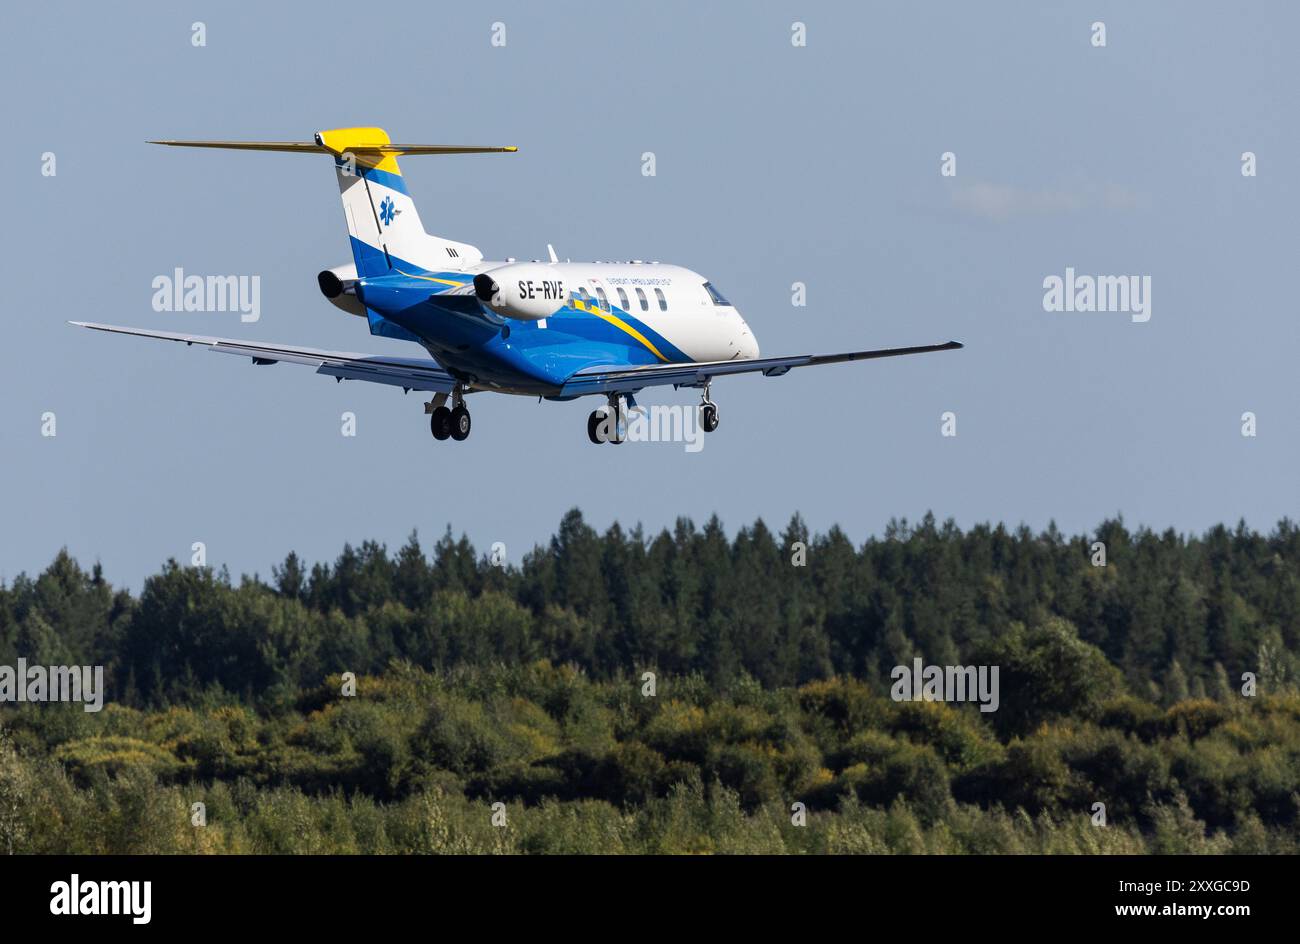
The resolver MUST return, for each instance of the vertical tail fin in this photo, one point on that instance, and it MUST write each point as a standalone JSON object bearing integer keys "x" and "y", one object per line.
{"x": 383, "y": 225}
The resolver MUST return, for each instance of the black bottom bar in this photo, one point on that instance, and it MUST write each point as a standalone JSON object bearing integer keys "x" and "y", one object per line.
{"x": 333, "y": 893}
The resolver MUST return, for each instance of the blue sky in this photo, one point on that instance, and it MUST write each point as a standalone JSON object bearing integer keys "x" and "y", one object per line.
{"x": 775, "y": 164}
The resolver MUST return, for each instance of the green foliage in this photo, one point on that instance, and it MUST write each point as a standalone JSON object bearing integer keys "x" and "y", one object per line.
{"x": 523, "y": 686}
{"x": 1048, "y": 672}
{"x": 414, "y": 762}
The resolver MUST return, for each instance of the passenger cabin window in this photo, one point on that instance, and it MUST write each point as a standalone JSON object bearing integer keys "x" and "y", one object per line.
{"x": 663, "y": 302}
{"x": 715, "y": 294}
{"x": 604, "y": 301}
{"x": 640, "y": 296}
{"x": 622, "y": 299}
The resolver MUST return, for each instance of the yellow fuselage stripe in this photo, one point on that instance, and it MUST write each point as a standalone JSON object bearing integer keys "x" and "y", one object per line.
{"x": 618, "y": 323}
{"x": 429, "y": 278}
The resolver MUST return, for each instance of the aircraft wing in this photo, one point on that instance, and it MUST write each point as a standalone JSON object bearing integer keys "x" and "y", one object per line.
{"x": 616, "y": 379}
{"x": 411, "y": 373}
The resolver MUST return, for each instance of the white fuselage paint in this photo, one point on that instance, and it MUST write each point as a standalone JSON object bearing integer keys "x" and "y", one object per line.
{"x": 667, "y": 298}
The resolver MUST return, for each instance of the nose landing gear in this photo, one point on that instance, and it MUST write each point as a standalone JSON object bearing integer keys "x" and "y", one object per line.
{"x": 708, "y": 411}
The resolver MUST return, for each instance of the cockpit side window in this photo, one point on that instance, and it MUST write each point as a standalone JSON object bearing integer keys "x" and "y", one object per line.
{"x": 663, "y": 302}
{"x": 715, "y": 294}
{"x": 604, "y": 301}
{"x": 622, "y": 299}
{"x": 640, "y": 296}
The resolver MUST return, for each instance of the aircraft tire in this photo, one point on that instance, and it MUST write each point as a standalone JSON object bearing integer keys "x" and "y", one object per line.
{"x": 460, "y": 424}
{"x": 440, "y": 423}
{"x": 593, "y": 427}
{"x": 709, "y": 417}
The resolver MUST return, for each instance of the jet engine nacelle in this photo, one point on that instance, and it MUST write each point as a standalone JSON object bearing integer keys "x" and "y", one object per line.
{"x": 526, "y": 290}
{"x": 339, "y": 286}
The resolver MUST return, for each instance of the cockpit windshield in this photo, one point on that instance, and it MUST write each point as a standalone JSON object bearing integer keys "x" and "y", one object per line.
{"x": 715, "y": 294}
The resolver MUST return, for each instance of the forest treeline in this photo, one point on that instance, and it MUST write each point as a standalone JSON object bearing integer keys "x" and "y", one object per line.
{"x": 1121, "y": 685}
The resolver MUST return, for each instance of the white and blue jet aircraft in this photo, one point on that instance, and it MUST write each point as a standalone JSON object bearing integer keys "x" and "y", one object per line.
{"x": 558, "y": 330}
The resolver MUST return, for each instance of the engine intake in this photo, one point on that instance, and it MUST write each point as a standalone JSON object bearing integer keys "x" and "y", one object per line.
{"x": 485, "y": 289}
{"x": 339, "y": 285}
{"x": 529, "y": 291}
{"x": 331, "y": 286}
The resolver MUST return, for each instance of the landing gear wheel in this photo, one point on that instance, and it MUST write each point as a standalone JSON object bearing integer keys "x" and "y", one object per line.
{"x": 440, "y": 423}
{"x": 460, "y": 424}
{"x": 612, "y": 428}
{"x": 594, "y": 427}
{"x": 709, "y": 417}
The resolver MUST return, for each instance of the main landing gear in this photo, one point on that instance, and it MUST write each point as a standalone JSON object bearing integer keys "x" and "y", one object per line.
{"x": 447, "y": 423}
{"x": 606, "y": 425}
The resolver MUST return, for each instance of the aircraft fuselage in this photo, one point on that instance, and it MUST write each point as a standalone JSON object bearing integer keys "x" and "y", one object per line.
{"x": 591, "y": 314}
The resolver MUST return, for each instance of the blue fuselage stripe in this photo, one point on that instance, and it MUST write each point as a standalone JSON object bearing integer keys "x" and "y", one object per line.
{"x": 475, "y": 343}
